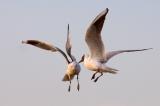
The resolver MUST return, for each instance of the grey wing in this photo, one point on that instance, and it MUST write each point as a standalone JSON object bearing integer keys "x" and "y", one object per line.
{"x": 45, "y": 46}
{"x": 109, "y": 55}
{"x": 93, "y": 36}
{"x": 69, "y": 46}
{"x": 40, "y": 44}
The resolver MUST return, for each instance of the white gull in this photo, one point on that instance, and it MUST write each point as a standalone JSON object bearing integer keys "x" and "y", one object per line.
{"x": 96, "y": 59}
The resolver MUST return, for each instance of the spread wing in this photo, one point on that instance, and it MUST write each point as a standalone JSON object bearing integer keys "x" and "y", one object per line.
{"x": 109, "y": 55}
{"x": 93, "y": 36}
{"x": 40, "y": 44}
{"x": 45, "y": 46}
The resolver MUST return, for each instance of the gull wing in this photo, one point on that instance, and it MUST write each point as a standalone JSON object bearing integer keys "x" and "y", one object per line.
{"x": 40, "y": 44}
{"x": 69, "y": 46}
{"x": 93, "y": 36}
{"x": 68, "y": 43}
{"x": 45, "y": 46}
{"x": 109, "y": 55}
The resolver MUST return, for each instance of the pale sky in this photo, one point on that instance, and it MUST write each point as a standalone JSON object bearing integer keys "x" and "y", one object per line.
{"x": 30, "y": 76}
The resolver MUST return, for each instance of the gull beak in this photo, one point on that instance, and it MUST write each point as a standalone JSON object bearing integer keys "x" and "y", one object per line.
{"x": 82, "y": 59}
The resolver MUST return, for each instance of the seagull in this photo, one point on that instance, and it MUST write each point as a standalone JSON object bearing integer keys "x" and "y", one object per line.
{"x": 73, "y": 67}
{"x": 96, "y": 59}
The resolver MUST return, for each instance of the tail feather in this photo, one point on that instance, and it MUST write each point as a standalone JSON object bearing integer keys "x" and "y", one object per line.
{"x": 66, "y": 77}
{"x": 110, "y": 70}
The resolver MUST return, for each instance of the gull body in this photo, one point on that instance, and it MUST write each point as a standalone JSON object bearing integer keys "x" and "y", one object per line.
{"x": 73, "y": 67}
{"x": 98, "y": 57}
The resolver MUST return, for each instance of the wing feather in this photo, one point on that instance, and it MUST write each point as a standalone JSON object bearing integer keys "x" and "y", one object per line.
{"x": 69, "y": 46}
{"x": 46, "y": 46}
{"x": 93, "y": 36}
{"x": 40, "y": 44}
{"x": 111, "y": 54}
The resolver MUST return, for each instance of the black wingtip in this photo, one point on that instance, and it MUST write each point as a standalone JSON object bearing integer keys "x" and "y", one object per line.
{"x": 107, "y": 10}
{"x": 147, "y": 49}
{"x": 68, "y": 30}
{"x": 23, "y": 42}
{"x": 68, "y": 26}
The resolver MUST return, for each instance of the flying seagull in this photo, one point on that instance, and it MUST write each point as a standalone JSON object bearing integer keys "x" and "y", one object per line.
{"x": 96, "y": 59}
{"x": 73, "y": 67}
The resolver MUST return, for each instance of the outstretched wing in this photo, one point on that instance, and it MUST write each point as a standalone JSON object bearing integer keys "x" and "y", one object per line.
{"x": 45, "y": 46}
{"x": 109, "y": 55}
{"x": 40, "y": 44}
{"x": 93, "y": 36}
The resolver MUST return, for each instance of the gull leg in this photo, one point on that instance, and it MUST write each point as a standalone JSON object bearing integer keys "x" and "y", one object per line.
{"x": 98, "y": 77}
{"x": 69, "y": 88}
{"x": 93, "y": 76}
{"x": 78, "y": 86}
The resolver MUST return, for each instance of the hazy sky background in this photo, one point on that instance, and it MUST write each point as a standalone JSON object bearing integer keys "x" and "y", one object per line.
{"x": 32, "y": 77}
